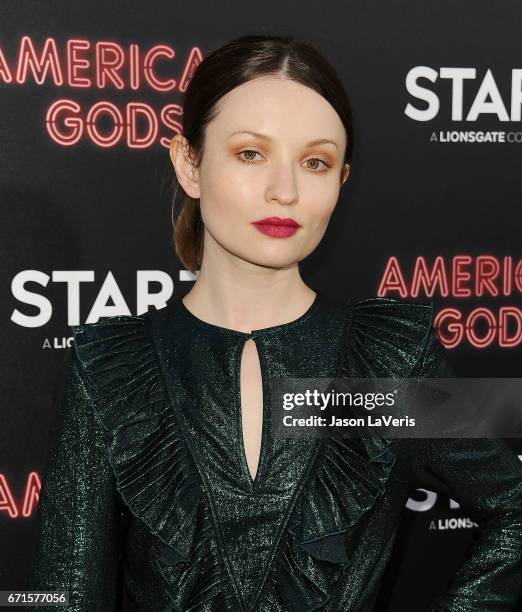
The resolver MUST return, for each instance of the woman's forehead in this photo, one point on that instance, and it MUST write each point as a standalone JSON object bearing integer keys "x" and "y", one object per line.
{"x": 276, "y": 108}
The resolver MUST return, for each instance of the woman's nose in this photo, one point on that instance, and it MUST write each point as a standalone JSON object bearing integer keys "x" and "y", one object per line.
{"x": 283, "y": 187}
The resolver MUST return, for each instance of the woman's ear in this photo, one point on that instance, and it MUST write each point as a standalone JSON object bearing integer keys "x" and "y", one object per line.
{"x": 186, "y": 172}
{"x": 345, "y": 174}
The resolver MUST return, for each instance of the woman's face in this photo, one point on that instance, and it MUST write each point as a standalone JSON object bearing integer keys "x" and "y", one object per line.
{"x": 244, "y": 178}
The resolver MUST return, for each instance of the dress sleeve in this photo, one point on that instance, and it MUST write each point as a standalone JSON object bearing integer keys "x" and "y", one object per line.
{"x": 78, "y": 514}
{"x": 485, "y": 476}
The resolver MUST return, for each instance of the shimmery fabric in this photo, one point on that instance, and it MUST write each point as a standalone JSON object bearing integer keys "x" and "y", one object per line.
{"x": 147, "y": 502}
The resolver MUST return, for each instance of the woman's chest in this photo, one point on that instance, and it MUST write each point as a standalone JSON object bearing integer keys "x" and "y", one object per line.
{"x": 229, "y": 408}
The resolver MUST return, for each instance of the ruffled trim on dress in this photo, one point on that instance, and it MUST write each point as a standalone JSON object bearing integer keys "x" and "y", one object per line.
{"x": 385, "y": 338}
{"x": 155, "y": 474}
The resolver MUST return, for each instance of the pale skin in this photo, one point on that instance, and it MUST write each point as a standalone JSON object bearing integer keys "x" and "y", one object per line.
{"x": 248, "y": 280}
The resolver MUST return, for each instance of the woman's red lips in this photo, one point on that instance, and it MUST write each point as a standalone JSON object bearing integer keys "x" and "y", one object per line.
{"x": 277, "y": 227}
{"x": 277, "y": 221}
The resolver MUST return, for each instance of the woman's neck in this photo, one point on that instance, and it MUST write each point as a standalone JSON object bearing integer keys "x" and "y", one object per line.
{"x": 246, "y": 301}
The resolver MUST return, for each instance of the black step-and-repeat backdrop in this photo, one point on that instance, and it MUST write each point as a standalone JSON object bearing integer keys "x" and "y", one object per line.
{"x": 90, "y": 95}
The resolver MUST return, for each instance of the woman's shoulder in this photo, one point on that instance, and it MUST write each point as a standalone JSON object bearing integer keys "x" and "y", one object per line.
{"x": 399, "y": 316}
{"x": 383, "y": 311}
{"x": 103, "y": 324}
{"x": 109, "y": 336}
{"x": 115, "y": 358}
{"x": 388, "y": 337}
{"x": 114, "y": 332}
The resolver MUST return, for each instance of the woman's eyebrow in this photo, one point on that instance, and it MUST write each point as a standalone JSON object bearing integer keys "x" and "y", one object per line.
{"x": 313, "y": 143}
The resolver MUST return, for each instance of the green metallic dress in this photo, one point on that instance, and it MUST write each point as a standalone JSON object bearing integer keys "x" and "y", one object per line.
{"x": 147, "y": 502}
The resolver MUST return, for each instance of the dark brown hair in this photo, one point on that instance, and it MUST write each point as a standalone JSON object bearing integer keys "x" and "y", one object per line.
{"x": 224, "y": 69}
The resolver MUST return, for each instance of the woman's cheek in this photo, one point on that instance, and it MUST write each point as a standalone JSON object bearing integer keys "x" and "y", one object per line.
{"x": 323, "y": 213}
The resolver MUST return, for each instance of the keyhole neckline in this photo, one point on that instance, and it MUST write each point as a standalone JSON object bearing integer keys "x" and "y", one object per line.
{"x": 255, "y": 332}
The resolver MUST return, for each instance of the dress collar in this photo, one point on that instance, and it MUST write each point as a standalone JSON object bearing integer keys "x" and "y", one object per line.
{"x": 192, "y": 319}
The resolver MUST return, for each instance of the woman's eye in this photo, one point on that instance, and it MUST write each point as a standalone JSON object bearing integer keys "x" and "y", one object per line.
{"x": 317, "y": 168}
{"x": 249, "y": 159}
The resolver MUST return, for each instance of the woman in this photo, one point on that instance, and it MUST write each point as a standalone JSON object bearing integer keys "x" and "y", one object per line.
{"x": 166, "y": 490}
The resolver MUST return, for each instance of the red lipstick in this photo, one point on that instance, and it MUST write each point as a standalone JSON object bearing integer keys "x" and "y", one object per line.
{"x": 277, "y": 227}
